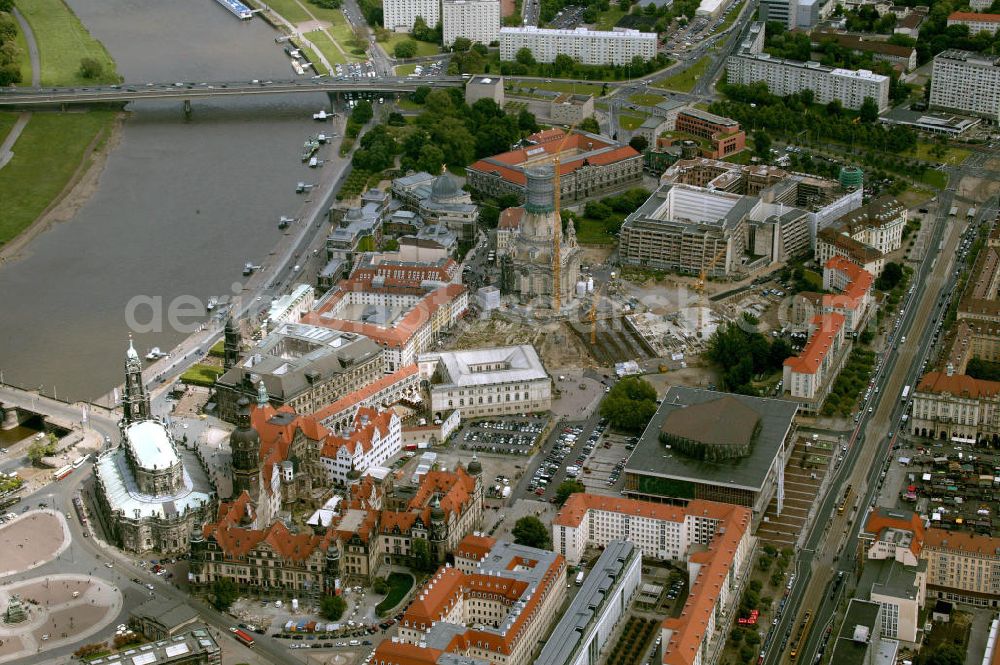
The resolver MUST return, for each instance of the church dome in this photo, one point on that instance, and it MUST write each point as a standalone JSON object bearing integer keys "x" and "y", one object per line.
{"x": 445, "y": 187}
{"x": 475, "y": 468}
{"x": 437, "y": 512}
{"x": 244, "y": 436}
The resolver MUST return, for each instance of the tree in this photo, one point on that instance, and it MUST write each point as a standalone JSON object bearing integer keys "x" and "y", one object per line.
{"x": 630, "y": 404}
{"x": 532, "y": 532}
{"x": 6, "y": 5}
{"x": 869, "y": 110}
{"x": 332, "y": 608}
{"x": 461, "y": 44}
{"x": 362, "y": 112}
{"x": 224, "y": 593}
{"x": 90, "y": 68}
{"x": 431, "y": 159}
{"x": 420, "y": 94}
{"x": 526, "y": 121}
{"x": 566, "y": 488}
{"x": 639, "y": 143}
{"x": 422, "y": 560}
{"x": 379, "y": 586}
{"x": 947, "y": 654}
{"x": 762, "y": 145}
{"x": 590, "y": 124}
{"x": 892, "y": 275}
{"x": 834, "y": 107}
{"x": 524, "y": 56}
{"x": 39, "y": 449}
{"x": 405, "y": 49}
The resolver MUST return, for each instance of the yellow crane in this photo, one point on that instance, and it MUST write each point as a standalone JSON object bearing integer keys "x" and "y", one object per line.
{"x": 701, "y": 284}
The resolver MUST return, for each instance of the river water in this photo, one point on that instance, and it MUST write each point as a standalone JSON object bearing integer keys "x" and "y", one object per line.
{"x": 180, "y": 207}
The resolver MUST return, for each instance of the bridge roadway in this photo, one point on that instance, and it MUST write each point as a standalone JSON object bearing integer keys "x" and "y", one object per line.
{"x": 130, "y": 92}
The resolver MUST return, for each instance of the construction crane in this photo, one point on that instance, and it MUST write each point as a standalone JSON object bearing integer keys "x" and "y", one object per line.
{"x": 557, "y": 227}
{"x": 705, "y": 269}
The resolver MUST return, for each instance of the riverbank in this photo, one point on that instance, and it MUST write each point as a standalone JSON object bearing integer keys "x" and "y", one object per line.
{"x": 56, "y": 167}
{"x": 64, "y": 42}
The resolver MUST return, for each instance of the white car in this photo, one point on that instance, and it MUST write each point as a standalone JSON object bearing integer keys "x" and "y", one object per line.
{"x": 149, "y": 586}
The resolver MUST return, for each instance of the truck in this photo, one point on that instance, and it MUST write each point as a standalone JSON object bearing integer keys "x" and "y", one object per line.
{"x": 579, "y": 578}
{"x": 505, "y": 492}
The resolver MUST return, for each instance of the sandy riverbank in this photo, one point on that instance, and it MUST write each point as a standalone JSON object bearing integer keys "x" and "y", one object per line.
{"x": 81, "y": 186}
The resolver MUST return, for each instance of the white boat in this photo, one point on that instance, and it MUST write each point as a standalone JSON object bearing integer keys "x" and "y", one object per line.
{"x": 155, "y": 354}
{"x": 212, "y": 303}
{"x": 322, "y": 116}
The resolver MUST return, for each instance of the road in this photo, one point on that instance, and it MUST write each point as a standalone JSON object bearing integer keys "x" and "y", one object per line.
{"x": 130, "y": 92}
{"x": 831, "y": 542}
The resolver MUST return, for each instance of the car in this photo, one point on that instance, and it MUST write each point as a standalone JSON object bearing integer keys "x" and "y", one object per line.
{"x": 109, "y": 565}
{"x": 149, "y": 586}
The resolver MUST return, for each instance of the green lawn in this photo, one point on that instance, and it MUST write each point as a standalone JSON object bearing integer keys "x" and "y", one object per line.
{"x": 408, "y": 104}
{"x": 685, "y": 81}
{"x": 934, "y": 178}
{"x": 646, "y": 99}
{"x": 63, "y": 42}
{"x": 566, "y": 86}
{"x": 316, "y": 63}
{"x": 423, "y": 48}
{"x": 924, "y": 150}
{"x": 607, "y": 20}
{"x": 399, "y": 585}
{"x": 22, "y": 44}
{"x": 732, "y": 17}
{"x": 630, "y": 122}
{"x": 7, "y": 120}
{"x": 592, "y": 232}
{"x": 202, "y": 374}
{"x": 290, "y": 10}
{"x": 405, "y": 70}
{"x": 326, "y": 46}
{"x": 46, "y": 155}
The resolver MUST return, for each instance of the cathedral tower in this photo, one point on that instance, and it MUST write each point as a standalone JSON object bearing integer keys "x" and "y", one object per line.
{"x": 244, "y": 443}
{"x": 231, "y": 345}
{"x": 135, "y": 400}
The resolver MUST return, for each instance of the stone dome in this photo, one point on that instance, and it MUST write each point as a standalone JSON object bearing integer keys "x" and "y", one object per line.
{"x": 475, "y": 468}
{"x": 445, "y": 187}
{"x": 437, "y": 512}
{"x": 244, "y": 436}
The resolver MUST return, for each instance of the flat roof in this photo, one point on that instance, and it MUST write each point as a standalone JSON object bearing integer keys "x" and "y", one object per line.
{"x": 151, "y": 445}
{"x": 475, "y": 367}
{"x": 652, "y": 458}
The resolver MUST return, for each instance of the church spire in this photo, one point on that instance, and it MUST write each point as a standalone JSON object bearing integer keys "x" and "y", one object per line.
{"x": 135, "y": 400}
{"x": 262, "y": 398}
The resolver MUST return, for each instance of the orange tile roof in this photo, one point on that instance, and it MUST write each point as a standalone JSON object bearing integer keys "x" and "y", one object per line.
{"x": 815, "y": 350}
{"x": 276, "y": 436}
{"x": 474, "y": 547}
{"x": 404, "y": 653}
{"x": 880, "y": 520}
{"x": 401, "y": 331}
{"x": 973, "y": 16}
{"x": 454, "y": 490}
{"x": 367, "y": 423}
{"x": 511, "y": 218}
{"x": 859, "y": 284}
{"x": 360, "y": 396}
{"x": 236, "y": 541}
{"x": 961, "y": 541}
{"x": 960, "y": 385}
{"x": 576, "y": 507}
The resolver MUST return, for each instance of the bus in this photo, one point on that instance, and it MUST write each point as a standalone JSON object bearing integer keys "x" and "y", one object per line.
{"x": 800, "y": 635}
{"x": 906, "y": 393}
{"x": 842, "y": 506}
{"x": 242, "y": 637}
{"x": 63, "y": 472}
{"x": 80, "y": 461}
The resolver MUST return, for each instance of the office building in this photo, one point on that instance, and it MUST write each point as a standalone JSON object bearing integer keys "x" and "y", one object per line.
{"x": 587, "y": 626}
{"x": 160, "y": 618}
{"x": 878, "y": 224}
{"x": 476, "y": 20}
{"x": 724, "y": 134}
{"x": 730, "y": 448}
{"x": 785, "y": 77}
{"x": 400, "y": 15}
{"x": 780, "y": 11}
{"x": 588, "y": 47}
{"x": 194, "y": 647}
{"x": 484, "y": 87}
{"x": 808, "y": 377}
{"x": 963, "y": 567}
{"x": 831, "y": 242}
{"x": 860, "y": 640}
{"x": 289, "y": 307}
{"x": 956, "y": 408}
{"x": 497, "y": 614}
{"x": 590, "y": 166}
{"x": 570, "y": 109}
{"x": 487, "y": 381}
{"x": 966, "y": 82}
{"x": 976, "y": 22}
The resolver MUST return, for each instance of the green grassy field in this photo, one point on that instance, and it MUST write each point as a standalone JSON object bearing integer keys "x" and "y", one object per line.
{"x": 202, "y": 374}
{"x": 317, "y": 65}
{"x": 924, "y": 150}
{"x": 607, "y": 20}
{"x": 566, "y": 86}
{"x": 290, "y": 10}
{"x": 63, "y": 42}
{"x": 933, "y": 178}
{"x": 405, "y": 70}
{"x": 423, "y": 48}
{"x": 22, "y": 44}
{"x": 46, "y": 155}
{"x": 326, "y": 46}
{"x": 731, "y": 18}
{"x": 630, "y": 122}
{"x": 399, "y": 585}
{"x": 7, "y": 121}
{"x": 646, "y": 99}
{"x": 685, "y": 81}
{"x": 592, "y": 232}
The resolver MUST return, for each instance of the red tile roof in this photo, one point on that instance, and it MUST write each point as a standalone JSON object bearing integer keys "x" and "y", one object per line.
{"x": 404, "y": 653}
{"x": 368, "y": 423}
{"x": 974, "y": 17}
{"x": 960, "y": 385}
{"x": 474, "y": 547}
{"x": 880, "y": 520}
{"x": 511, "y": 218}
{"x": 236, "y": 541}
{"x": 859, "y": 284}
{"x": 360, "y": 396}
{"x": 819, "y": 344}
{"x": 961, "y": 541}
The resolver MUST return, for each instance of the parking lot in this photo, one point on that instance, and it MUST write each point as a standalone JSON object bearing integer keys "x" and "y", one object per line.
{"x": 514, "y": 435}
{"x": 602, "y": 471}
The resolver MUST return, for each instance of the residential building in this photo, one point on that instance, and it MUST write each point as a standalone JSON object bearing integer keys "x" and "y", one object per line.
{"x": 198, "y": 646}
{"x": 396, "y": 269}
{"x": 497, "y": 614}
{"x": 570, "y": 109}
{"x": 963, "y": 567}
{"x": 909, "y": 23}
{"x": 588, "y": 47}
{"x": 860, "y": 640}
{"x": 291, "y": 306}
{"x": 714, "y": 540}
{"x": 831, "y": 242}
{"x": 402, "y": 320}
{"x": 149, "y": 493}
{"x": 484, "y": 87}
{"x": 976, "y": 22}
{"x": 977, "y": 332}
{"x": 852, "y": 297}
{"x": 303, "y": 366}
{"x": 808, "y": 377}
{"x": 589, "y": 166}
{"x": 487, "y": 381}
{"x": 476, "y": 20}
{"x": 400, "y": 15}
{"x": 956, "y": 407}
{"x": 878, "y": 224}
{"x": 750, "y": 437}
{"x": 375, "y": 437}
{"x": 903, "y": 58}
{"x": 724, "y": 133}
{"x": 586, "y": 627}
{"x": 785, "y": 77}
{"x": 966, "y": 82}
{"x": 980, "y": 5}
{"x": 692, "y": 229}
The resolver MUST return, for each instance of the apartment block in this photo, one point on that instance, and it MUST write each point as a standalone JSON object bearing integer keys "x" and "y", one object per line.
{"x": 785, "y": 77}
{"x": 724, "y": 133}
{"x": 400, "y": 15}
{"x": 590, "y": 47}
{"x": 976, "y": 22}
{"x": 963, "y": 567}
{"x": 853, "y": 292}
{"x": 966, "y": 82}
{"x": 476, "y": 20}
{"x": 809, "y": 376}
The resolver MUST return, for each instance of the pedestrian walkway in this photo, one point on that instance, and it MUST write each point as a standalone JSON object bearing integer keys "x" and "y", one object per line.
{"x": 7, "y": 147}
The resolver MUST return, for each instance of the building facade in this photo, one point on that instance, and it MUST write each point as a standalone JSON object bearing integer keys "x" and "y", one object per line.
{"x": 963, "y": 567}
{"x": 476, "y": 20}
{"x": 956, "y": 407}
{"x": 852, "y": 292}
{"x": 966, "y": 82}
{"x": 400, "y": 15}
{"x": 487, "y": 382}
{"x": 375, "y": 437}
{"x": 724, "y": 133}
{"x": 808, "y": 377}
{"x": 785, "y": 77}
{"x": 976, "y": 22}
{"x": 588, "y": 47}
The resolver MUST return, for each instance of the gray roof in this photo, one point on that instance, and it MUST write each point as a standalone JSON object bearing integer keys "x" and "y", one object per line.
{"x": 196, "y": 645}
{"x": 850, "y": 651}
{"x": 123, "y": 494}
{"x": 454, "y": 367}
{"x": 171, "y": 614}
{"x": 151, "y": 444}
{"x": 656, "y": 212}
{"x": 888, "y": 577}
{"x": 568, "y": 636}
{"x": 413, "y": 179}
{"x": 650, "y": 457}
